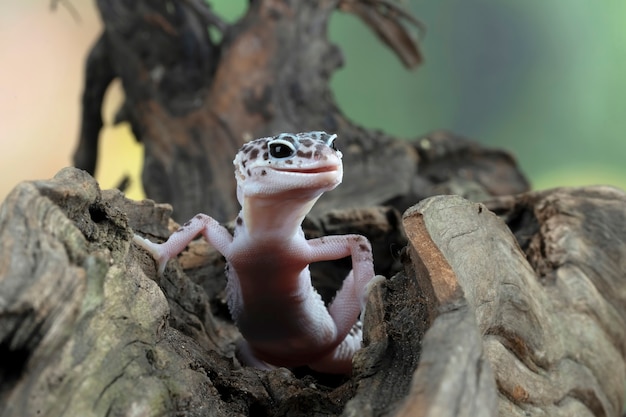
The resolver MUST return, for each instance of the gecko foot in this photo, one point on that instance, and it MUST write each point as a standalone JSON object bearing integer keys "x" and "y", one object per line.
{"x": 155, "y": 250}
{"x": 368, "y": 288}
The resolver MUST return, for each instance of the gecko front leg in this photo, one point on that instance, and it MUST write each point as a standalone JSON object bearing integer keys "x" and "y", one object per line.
{"x": 216, "y": 234}
{"x": 350, "y": 299}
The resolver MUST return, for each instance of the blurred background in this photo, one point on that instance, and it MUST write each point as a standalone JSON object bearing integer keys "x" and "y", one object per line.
{"x": 544, "y": 80}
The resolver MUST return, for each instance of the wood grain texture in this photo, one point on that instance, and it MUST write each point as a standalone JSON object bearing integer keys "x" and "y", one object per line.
{"x": 520, "y": 313}
{"x": 550, "y": 317}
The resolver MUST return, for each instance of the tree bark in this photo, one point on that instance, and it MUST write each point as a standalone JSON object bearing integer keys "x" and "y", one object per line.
{"x": 476, "y": 318}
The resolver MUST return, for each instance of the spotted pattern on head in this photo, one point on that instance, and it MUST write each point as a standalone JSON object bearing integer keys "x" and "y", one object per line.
{"x": 289, "y": 151}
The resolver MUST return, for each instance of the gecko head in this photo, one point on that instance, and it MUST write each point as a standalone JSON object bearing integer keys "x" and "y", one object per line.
{"x": 301, "y": 165}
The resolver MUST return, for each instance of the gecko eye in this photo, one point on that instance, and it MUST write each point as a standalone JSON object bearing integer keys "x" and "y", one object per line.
{"x": 331, "y": 142}
{"x": 281, "y": 149}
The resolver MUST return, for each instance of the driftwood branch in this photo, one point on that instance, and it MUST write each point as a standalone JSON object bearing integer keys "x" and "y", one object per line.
{"x": 476, "y": 318}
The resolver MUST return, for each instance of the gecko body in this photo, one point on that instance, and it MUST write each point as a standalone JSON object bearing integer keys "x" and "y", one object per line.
{"x": 282, "y": 318}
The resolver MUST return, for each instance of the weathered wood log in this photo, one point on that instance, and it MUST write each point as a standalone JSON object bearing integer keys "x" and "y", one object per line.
{"x": 551, "y": 316}
{"x": 193, "y": 101}
{"x": 473, "y": 322}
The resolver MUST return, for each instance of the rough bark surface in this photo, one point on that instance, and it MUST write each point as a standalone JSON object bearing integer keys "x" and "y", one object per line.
{"x": 193, "y": 101}
{"x": 476, "y": 318}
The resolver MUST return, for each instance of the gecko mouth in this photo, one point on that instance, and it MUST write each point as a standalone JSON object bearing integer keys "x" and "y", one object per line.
{"x": 316, "y": 170}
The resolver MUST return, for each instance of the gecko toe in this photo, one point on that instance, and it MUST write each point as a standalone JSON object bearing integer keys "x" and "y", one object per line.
{"x": 154, "y": 250}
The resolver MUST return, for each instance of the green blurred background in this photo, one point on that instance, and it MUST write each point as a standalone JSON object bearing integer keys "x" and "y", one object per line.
{"x": 542, "y": 79}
